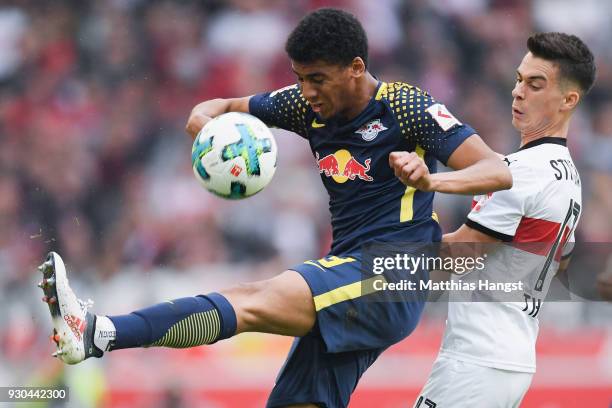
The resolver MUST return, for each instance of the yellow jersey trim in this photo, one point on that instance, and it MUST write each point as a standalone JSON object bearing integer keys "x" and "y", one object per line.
{"x": 346, "y": 292}
{"x": 406, "y": 207}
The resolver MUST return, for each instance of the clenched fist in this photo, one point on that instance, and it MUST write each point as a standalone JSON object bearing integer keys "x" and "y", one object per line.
{"x": 411, "y": 170}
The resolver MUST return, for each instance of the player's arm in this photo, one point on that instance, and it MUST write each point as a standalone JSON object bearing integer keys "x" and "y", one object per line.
{"x": 284, "y": 108}
{"x": 562, "y": 271}
{"x": 604, "y": 285}
{"x": 478, "y": 170}
{"x": 464, "y": 242}
{"x": 205, "y": 111}
{"x": 468, "y": 234}
{"x": 436, "y": 131}
{"x": 458, "y": 244}
{"x": 603, "y": 282}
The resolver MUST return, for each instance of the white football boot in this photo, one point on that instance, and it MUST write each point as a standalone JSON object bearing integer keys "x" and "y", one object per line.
{"x": 73, "y": 325}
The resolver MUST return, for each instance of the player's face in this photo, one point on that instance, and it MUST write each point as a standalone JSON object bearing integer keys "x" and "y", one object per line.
{"x": 537, "y": 97}
{"x": 325, "y": 86}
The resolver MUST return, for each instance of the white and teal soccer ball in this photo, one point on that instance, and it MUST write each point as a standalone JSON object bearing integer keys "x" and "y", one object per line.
{"x": 234, "y": 155}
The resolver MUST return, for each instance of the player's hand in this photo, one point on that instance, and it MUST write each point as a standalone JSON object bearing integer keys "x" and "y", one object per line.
{"x": 411, "y": 170}
{"x": 197, "y": 120}
{"x": 604, "y": 285}
{"x": 203, "y": 112}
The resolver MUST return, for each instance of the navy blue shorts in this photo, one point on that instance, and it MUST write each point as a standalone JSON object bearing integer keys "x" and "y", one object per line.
{"x": 354, "y": 326}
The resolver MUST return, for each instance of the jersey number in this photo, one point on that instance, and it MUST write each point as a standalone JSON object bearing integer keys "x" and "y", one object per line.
{"x": 571, "y": 220}
{"x": 330, "y": 261}
{"x": 428, "y": 403}
{"x": 535, "y": 304}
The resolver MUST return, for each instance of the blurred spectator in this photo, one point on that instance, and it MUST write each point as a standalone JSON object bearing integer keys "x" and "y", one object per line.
{"x": 597, "y": 218}
{"x": 13, "y": 22}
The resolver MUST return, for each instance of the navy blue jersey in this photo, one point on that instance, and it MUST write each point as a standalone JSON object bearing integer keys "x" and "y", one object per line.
{"x": 367, "y": 202}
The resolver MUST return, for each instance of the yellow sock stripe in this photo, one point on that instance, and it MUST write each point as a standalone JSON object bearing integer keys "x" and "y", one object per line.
{"x": 406, "y": 206}
{"x": 346, "y": 292}
{"x": 195, "y": 330}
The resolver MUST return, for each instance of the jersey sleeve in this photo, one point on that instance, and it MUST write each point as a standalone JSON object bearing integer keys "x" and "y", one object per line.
{"x": 284, "y": 108}
{"x": 499, "y": 214}
{"x": 429, "y": 123}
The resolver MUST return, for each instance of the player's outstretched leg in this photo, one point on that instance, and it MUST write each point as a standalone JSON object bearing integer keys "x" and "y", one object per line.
{"x": 79, "y": 334}
{"x": 72, "y": 323}
{"x": 281, "y": 305}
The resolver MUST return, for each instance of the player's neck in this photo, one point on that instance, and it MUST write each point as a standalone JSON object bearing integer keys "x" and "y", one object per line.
{"x": 365, "y": 90}
{"x": 557, "y": 130}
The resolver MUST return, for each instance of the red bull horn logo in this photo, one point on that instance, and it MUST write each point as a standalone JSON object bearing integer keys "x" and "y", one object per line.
{"x": 342, "y": 166}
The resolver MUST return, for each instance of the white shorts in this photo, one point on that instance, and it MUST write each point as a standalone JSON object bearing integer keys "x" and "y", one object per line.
{"x": 456, "y": 384}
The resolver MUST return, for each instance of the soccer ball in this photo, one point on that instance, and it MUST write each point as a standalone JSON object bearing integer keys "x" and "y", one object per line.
{"x": 234, "y": 155}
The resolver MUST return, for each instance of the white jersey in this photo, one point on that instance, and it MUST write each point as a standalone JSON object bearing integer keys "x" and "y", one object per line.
{"x": 543, "y": 206}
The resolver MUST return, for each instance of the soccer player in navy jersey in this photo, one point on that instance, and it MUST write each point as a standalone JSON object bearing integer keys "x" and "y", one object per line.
{"x": 357, "y": 126}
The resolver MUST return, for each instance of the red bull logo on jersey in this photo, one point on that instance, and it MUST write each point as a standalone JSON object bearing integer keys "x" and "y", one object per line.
{"x": 342, "y": 166}
{"x": 370, "y": 130}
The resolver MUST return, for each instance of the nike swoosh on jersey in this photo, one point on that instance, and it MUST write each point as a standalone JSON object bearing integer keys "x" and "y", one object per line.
{"x": 316, "y": 125}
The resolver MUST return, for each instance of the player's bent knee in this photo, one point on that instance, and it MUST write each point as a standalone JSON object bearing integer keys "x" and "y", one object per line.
{"x": 247, "y": 300}
{"x": 281, "y": 305}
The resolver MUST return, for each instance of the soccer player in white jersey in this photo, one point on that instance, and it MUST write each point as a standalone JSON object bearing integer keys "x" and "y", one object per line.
{"x": 487, "y": 358}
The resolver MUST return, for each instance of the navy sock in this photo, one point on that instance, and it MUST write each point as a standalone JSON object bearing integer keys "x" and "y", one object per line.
{"x": 180, "y": 323}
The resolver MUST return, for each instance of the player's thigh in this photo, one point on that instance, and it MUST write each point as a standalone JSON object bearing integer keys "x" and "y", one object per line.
{"x": 498, "y": 388}
{"x": 454, "y": 383}
{"x": 350, "y": 314}
{"x": 313, "y": 376}
{"x": 438, "y": 385}
{"x": 281, "y": 305}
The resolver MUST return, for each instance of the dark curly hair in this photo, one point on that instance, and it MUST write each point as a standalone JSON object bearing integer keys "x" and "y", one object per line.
{"x": 572, "y": 56}
{"x": 329, "y": 35}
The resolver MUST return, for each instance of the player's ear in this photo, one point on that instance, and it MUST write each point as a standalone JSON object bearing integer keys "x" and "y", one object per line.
{"x": 358, "y": 67}
{"x": 570, "y": 100}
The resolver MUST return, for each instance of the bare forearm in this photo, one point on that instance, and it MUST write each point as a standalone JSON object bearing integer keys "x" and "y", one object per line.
{"x": 205, "y": 111}
{"x": 213, "y": 107}
{"x": 478, "y": 170}
{"x": 484, "y": 176}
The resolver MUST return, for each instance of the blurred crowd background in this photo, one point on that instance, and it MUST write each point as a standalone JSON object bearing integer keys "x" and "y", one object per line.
{"x": 95, "y": 163}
